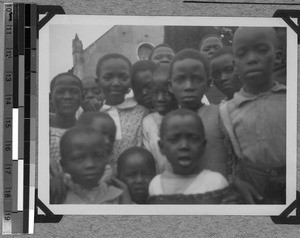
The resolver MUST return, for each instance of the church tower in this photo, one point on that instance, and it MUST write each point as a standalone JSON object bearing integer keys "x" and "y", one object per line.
{"x": 77, "y": 48}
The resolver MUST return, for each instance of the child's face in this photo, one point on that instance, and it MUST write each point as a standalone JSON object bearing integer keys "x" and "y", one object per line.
{"x": 254, "y": 56}
{"x": 108, "y": 129}
{"x": 162, "y": 98}
{"x": 210, "y": 45}
{"x": 142, "y": 92}
{"x": 189, "y": 83}
{"x": 162, "y": 55}
{"x": 137, "y": 172}
{"x": 115, "y": 80}
{"x": 91, "y": 90}
{"x": 85, "y": 159}
{"x": 183, "y": 144}
{"x": 224, "y": 75}
{"x": 66, "y": 95}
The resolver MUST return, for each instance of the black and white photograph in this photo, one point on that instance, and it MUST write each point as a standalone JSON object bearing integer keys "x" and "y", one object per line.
{"x": 167, "y": 115}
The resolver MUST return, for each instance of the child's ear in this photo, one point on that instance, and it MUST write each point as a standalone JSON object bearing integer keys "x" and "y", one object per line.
{"x": 278, "y": 57}
{"x": 161, "y": 147}
{"x": 209, "y": 81}
{"x": 170, "y": 86}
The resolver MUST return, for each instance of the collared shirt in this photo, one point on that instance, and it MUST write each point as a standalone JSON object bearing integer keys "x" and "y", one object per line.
{"x": 151, "y": 125}
{"x": 102, "y": 194}
{"x": 259, "y": 123}
{"x": 128, "y": 117}
{"x": 170, "y": 183}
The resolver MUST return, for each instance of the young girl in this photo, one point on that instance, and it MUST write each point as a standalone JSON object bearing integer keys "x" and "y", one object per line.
{"x": 163, "y": 102}
{"x": 183, "y": 143}
{"x": 113, "y": 72}
{"x": 66, "y": 94}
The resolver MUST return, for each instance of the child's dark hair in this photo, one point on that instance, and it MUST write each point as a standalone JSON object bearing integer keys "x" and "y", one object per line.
{"x": 107, "y": 57}
{"x": 131, "y": 151}
{"x": 208, "y": 36}
{"x": 57, "y": 77}
{"x": 179, "y": 112}
{"x": 222, "y": 51}
{"x": 77, "y": 130}
{"x": 191, "y": 54}
{"x": 140, "y": 66}
{"x": 159, "y": 46}
{"x": 86, "y": 118}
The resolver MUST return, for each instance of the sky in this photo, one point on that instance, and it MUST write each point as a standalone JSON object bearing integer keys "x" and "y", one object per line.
{"x": 60, "y": 43}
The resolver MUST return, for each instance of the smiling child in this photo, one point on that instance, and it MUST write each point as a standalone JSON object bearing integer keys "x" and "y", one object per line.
{"x": 114, "y": 76}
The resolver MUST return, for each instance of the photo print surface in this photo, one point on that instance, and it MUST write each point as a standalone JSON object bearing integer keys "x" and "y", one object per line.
{"x": 167, "y": 115}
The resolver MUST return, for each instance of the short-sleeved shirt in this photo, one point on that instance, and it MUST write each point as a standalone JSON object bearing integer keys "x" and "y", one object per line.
{"x": 151, "y": 124}
{"x": 216, "y": 155}
{"x": 259, "y": 124}
{"x": 102, "y": 194}
{"x": 170, "y": 183}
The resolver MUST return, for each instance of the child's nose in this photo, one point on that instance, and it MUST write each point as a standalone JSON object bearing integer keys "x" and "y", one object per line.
{"x": 67, "y": 94}
{"x": 184, "y": 144}
{"x": 139, "y": 178}
{"x": 189, "y": 85}
{"x": 252, "y": 57}
{"x": 160, "y": 96}
{"x": 89, "y": 163}
{"x": 115, "y": 81}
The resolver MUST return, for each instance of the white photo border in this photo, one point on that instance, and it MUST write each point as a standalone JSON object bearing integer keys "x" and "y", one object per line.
{"x": 86, "y": 209}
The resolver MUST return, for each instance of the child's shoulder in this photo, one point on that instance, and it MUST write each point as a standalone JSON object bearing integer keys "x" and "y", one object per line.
{"x": 155, "y": 186}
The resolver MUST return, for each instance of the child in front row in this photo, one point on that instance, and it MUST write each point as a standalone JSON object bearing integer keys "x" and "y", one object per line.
{"x": 189, "y": 80}
{"x": 136, "y": 168}
{"x": 255, "y": 119}
{"x": 103, "y": 123}
{"x": 183, "y": 142}
{"x": 83, "y": 159}
{"x": 163, "y": 102}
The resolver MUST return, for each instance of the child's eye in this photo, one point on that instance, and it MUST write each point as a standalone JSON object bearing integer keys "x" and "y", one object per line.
{"x": 74, "y": 91}
{"x": 263, "y": 49}
{"x": 215, "y": 75}
{"x": 229, "y": 69}
{"x": 107, "y": 77}
{"x": 158, "y": 57}
{"x": 60, "y": 90}
{"x": 179, "y": 79}
{"x": 124, "y": 76}
{"x": 240, "y": 53}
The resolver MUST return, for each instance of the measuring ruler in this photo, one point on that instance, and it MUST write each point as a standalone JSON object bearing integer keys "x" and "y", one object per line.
{"x": 19, "y": 117}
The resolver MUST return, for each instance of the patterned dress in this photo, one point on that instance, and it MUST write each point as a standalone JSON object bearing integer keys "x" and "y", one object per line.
{"x": 128, "y": 117}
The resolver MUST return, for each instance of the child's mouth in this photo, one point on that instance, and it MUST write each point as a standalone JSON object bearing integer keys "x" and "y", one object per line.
{"x": 254, "y": 73}
{"x": 184, "y": 161}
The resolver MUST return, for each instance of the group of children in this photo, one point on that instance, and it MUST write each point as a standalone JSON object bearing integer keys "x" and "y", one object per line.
{"x": 165, "y": 145}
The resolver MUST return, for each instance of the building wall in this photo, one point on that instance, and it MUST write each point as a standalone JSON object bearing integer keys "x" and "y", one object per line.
{"x": 120, "y": 39}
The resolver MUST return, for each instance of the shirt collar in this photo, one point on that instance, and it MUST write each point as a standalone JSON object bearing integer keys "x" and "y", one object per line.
{"x": 243, "y": 96}
{"x": 128, "y": 103}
